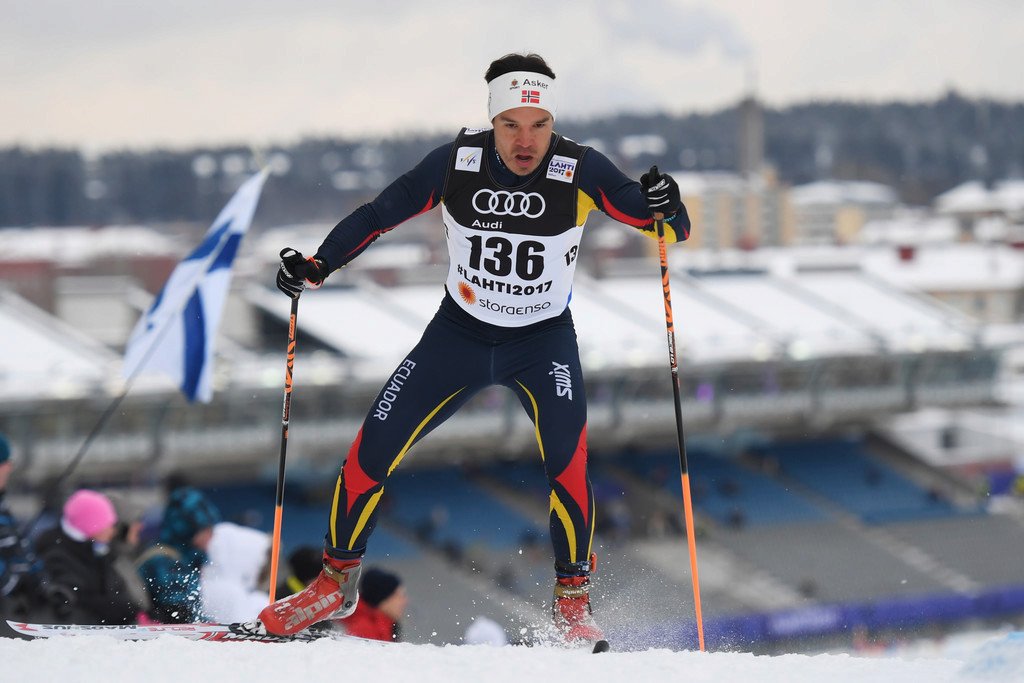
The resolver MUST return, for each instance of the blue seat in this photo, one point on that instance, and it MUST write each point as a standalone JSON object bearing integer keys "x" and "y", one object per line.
{"x": 845, "y": 473}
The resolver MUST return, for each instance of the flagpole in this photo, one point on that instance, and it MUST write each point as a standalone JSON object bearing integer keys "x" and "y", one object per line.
{"x": 154, "y": 344}
{"x": 54, "y": 488}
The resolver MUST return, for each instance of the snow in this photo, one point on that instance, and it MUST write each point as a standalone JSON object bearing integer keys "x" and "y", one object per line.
{"x": 102, "y": 659}
{"x": 950, "y": 268}
{"x": 974, "y": 197}
{"x": 831, "y": 192}
{"x": 79, "y": 245}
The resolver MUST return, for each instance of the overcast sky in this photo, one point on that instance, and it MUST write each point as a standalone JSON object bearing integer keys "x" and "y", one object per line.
{"x": 112, "y": 73}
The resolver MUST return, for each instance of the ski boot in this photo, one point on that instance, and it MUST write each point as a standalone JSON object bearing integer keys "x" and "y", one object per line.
{"x": 331, "y": 595}
{"x": 573, "y": 616}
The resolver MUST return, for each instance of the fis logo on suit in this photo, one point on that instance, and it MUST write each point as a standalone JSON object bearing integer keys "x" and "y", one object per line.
{"x": 468, "y": 159}
{"x": 505, "y": 203}
{"x": 563, "y": 379}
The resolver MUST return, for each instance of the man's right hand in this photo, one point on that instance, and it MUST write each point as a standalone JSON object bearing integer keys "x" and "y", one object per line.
{"x": 296, "y": 270}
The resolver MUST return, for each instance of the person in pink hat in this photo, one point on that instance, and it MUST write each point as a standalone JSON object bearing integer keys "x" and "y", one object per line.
{"x": 79, "y": 563}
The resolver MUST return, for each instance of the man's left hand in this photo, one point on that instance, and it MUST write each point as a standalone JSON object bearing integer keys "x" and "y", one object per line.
{"x": 661, "y": 192}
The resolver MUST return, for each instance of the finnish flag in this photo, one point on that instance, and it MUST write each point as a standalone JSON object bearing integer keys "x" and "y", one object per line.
{"x": 176, "y": 335}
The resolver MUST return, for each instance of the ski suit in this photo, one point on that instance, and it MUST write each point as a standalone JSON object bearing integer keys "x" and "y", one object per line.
{"x": 504, "y": 318}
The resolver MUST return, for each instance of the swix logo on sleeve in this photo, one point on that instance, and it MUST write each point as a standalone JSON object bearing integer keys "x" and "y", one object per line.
{"x": 563, "y": 379}
{"x": 468, "y": 159}
{"x": 562, "y": 168}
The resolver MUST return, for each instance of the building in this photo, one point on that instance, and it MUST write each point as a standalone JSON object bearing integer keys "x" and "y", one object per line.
{"x": 734, "y": 211}
{"x": 835, "y": 211}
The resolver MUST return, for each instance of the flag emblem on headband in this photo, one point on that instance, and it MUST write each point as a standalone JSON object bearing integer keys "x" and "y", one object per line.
{"x": 531, "y": 97}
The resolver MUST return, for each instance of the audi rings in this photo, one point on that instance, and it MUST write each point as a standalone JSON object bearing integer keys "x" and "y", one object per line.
{"x": 505, "y": 203}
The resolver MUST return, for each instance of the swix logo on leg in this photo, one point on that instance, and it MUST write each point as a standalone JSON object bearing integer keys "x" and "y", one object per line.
{"x": 563, "y": 379}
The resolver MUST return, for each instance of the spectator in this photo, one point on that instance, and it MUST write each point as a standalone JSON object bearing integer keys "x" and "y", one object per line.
{"x": 484, "y": 631}
{"x": 230, "y": 580}
{"x": 20, "y": 572}
{"x": 127, "y": 546}
{"x": 79, "y": 563}
{"x": 304, "y": 565}
{"x": 381, "y": 607}
{"x": 171, "y": 569}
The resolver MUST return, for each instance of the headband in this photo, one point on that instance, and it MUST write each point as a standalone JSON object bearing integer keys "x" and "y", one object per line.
{"x": 521, "y": 89}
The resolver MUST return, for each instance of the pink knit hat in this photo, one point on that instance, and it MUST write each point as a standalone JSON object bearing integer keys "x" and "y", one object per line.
{"x": 89, "y": 512}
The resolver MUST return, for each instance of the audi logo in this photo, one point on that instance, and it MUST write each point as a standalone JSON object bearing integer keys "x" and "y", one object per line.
{"x": 505, "y": 203}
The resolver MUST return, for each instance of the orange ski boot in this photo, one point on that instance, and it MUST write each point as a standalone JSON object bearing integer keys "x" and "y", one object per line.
{"x": 573, "y": 615}
{"x": 332, "y": 595}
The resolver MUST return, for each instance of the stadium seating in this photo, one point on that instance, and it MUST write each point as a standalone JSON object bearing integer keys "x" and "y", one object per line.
{"x": 725, "y": 490}
{"x": 843, "y": 472}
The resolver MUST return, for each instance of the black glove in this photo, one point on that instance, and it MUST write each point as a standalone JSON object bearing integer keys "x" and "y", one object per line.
{"x": 296, "y": 270}
{"x": 661, "y": 192}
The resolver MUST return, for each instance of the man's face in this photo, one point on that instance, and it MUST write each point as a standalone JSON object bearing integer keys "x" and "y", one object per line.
{"x": 522, "y": 136}
{"x": 5, "y": 473}
{"x": 395, "y": 604}
{"x": 106, "y": 535}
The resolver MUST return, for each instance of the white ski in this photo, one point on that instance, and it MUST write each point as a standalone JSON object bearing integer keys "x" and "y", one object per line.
{"x": 245, "y": 632}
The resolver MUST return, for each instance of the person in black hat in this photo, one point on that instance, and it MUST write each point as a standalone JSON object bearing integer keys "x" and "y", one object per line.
{"x": 304, "y": 565}
{"x": 20, "y": 571}
{"x": 382, "y": 603}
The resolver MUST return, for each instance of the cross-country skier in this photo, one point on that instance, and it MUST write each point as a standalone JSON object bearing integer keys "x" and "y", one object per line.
{"x": 514, "y": 200}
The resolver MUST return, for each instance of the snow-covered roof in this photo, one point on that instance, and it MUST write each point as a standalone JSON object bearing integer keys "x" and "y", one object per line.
{"x": 950, "y": 267}
{"x": 42, "y": 356}
{"x": 721, "y": 317}
{"x": 1006, "y": 196}
{"x": 696, "y": 184}
{"x": 74, "y": 245}
{"x": 910, "y": 228}
{"x": 843, "y": 192}
{"x": 730, "y": 307}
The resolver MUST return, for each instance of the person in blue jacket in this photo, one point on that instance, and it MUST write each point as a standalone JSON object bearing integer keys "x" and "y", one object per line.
{"x": 170, "y": 568}
{"x": 21, "y": 589}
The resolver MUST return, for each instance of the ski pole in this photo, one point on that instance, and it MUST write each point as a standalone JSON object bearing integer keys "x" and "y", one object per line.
{"x": 685, "y": 476}
{"x": 285, "y": 417}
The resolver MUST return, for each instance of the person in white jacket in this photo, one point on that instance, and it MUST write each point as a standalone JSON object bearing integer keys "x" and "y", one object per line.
{"x": 237, "y": 557}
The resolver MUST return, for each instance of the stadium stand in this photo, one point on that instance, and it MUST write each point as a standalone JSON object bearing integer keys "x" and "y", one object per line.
{"x": 842, "y": 471}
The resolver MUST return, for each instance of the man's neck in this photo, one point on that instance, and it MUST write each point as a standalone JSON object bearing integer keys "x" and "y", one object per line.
{"x": 502, "y": 173}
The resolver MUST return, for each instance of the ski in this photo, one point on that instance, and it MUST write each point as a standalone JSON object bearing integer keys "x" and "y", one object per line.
{"x": 240, "y": 632}
{"x": 251, "y": 632}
